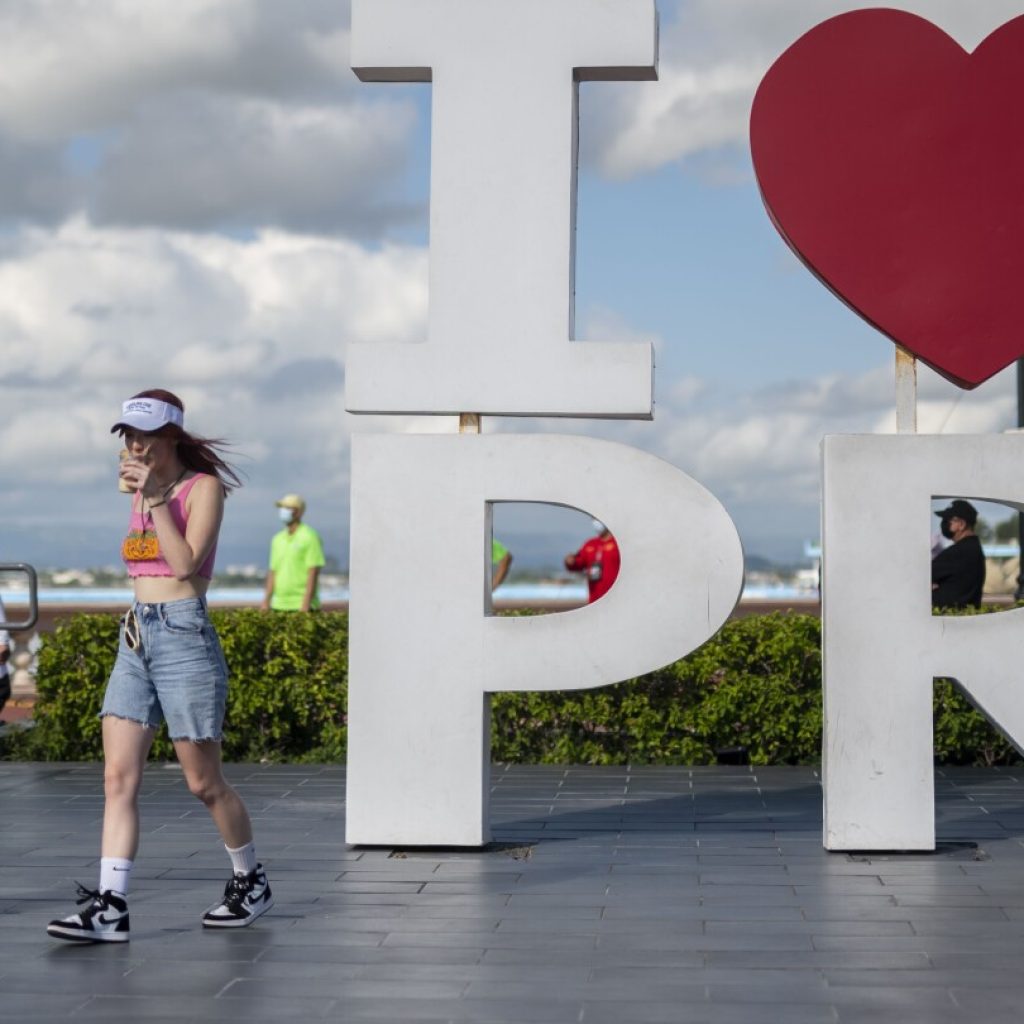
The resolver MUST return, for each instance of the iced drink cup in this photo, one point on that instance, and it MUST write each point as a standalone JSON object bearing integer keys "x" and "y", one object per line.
{"x": 122, "y": 485}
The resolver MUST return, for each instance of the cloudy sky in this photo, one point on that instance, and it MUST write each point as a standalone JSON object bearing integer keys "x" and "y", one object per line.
{"x": 200, "y": 195}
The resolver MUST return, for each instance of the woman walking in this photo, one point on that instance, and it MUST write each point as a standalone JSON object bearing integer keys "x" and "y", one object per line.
{"x": 169, "y": 666}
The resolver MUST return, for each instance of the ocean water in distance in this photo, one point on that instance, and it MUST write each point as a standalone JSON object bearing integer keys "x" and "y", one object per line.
{"x": 568, "y": 592}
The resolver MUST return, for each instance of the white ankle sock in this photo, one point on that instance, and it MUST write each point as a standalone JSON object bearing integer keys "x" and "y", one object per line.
{"x": 243, "y": 860}
{"x": 115, "y": 874}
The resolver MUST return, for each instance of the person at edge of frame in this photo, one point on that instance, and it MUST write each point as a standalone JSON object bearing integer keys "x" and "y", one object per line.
{"x": 501, "y": 562}
{"x": 5, "y": 657}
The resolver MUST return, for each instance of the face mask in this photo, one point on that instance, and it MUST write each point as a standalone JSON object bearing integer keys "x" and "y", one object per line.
{"x": 286, "y": 515}
{"x": 946, "y": 531}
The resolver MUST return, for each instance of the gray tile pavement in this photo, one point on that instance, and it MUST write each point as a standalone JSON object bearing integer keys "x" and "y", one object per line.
{"x": 610, "y": 895}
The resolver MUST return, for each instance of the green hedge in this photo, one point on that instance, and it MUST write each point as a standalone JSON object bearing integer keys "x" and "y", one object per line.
{"x": 286, "y": 701}
{"x": 756, "y": 685}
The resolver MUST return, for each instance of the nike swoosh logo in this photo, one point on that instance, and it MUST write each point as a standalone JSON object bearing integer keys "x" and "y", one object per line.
{"x": 103, "y": 920}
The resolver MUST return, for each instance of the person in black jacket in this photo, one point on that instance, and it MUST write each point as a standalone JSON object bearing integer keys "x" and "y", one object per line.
{"x": 958, "y": 572}
{"x": 5, "y": 654}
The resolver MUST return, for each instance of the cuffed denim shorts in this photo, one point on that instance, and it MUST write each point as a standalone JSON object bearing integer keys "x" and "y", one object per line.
{"x": 178, "y": 672}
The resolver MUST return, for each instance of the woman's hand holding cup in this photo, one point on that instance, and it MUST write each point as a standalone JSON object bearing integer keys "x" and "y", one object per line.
{"x": 133, "y": 473}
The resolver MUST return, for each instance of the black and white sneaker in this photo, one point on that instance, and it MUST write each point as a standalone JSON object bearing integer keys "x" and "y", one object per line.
{"x": 105, "y": 919}
{"x": 245, "y": 898}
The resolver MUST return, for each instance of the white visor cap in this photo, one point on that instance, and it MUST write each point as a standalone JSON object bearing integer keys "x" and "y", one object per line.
{"x": 148, "y": 415}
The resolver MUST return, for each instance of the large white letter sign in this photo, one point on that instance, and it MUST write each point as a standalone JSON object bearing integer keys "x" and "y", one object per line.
{"x": 883, "y": 647}
{"x": 424, "y": 653}
{"x": 502, "y": 205}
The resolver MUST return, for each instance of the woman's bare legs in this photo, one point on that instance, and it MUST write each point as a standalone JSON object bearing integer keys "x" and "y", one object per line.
{"x": 125, "y": 749}
{"x": 247, "y": 895}
{"x": 202, "y": 767}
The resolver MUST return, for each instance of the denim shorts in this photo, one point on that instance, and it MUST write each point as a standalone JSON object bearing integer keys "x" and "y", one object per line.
{"x": 177, "y": 673}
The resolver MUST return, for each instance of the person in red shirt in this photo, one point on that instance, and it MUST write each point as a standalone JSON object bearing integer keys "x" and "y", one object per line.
{"x": 598, "y": 559}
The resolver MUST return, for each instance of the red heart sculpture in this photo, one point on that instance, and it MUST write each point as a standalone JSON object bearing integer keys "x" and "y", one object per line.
{"x": 892, "y": 162}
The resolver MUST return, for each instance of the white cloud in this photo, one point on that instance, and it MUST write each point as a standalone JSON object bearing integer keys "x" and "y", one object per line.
{"x": 100, "y": 301}
{"x": 713, "y": 55}
{"x": 689, "y": 111}
{"x": 49, "y": 443}
{"x": 758, "y": 451}
{"x": 250, "y": 333}
{"x": 604, "y": 324}
{"x": 85, "y": 65}
{"x": 685, "y": 390}
{"x": 199, "y": 115}
{"x": 196, "y": 161}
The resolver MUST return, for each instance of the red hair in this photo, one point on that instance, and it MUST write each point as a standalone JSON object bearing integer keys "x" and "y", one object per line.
{"x": 201, "y": 454}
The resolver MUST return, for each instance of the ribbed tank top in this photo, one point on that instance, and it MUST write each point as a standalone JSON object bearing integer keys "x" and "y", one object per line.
{"x": 140, "y": 550}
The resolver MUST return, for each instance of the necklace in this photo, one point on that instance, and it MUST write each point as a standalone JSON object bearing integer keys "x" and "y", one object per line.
{"x": 166, "y": 494}
{"x": 170, "y": 487}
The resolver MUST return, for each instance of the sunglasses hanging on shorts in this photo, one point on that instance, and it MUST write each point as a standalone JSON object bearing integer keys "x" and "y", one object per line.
{"x": 132, "y": 637}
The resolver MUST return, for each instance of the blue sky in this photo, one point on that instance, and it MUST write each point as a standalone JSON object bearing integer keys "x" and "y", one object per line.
{"x": 703, "y": 268}
{"x": 201, "y": 196}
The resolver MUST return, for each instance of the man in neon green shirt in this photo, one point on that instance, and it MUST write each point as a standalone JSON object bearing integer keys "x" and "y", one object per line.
{"x": 296, "y": 558}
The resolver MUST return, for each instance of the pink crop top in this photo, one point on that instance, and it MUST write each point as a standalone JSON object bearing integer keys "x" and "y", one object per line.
{"x": 141, "y": 549}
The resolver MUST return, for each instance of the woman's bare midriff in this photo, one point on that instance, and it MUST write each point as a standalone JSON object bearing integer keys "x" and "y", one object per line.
{"x": 159, "y": 589}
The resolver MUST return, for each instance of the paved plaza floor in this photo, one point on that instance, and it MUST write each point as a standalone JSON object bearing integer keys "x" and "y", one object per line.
{"x": 610, "y": 895}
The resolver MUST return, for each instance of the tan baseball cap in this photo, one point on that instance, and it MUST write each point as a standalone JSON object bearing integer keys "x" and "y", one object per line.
{"x": 292, "y": 501}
